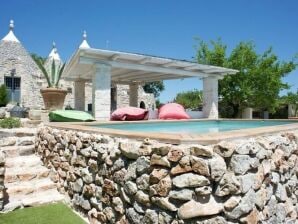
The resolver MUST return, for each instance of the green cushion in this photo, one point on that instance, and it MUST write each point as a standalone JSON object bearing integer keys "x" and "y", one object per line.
{"x": 70, "y": 116}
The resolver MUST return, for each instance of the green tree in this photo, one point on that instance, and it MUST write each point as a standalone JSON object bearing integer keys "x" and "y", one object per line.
{"x": 158, "y": 103}
{"x": 190, "y": 99}
{"x": 154, "y": 87}
{"x": 3, "y": 96}
{"x": 258, "y": 82}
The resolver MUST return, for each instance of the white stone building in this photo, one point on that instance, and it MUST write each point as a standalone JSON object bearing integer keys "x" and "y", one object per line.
{"x": 19, "y": 72}
{"x": 23, "y": 79}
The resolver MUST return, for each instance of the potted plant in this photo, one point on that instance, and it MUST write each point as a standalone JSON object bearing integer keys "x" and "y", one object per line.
{"x": 53, "y": 96}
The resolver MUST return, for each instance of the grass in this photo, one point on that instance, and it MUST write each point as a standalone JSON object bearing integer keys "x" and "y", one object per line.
{"x": 10, "y": 122}
{"x": 46, "y": 214}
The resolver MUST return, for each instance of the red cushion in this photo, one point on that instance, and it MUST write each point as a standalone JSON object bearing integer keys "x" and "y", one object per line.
{"x": 172, "y": 111}
{"x": 129, "y": 114}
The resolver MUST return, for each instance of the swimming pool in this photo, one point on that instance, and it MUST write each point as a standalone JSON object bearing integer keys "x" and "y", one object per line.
{"x": 184, "y": 131}
{"x": 193, "y": 127}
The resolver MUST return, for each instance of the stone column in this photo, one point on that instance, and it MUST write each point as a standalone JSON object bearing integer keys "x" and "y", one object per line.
{"x": 79, "y": 95}
{"x": 133, "y": 94}
{"x": 101, "y": 92}
{"x": 210, "y": 97}
{"x": 247, "y": 113}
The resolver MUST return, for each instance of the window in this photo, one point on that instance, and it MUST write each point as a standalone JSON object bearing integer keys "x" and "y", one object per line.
{"x": 13, "y": 83}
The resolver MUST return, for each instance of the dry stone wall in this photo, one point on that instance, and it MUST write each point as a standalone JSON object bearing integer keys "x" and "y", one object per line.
{"x": 2, "y": 172}
{"x": 117, "y": 180}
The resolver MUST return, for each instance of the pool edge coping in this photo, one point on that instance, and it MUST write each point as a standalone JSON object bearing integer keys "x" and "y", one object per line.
{"x": 208, "y": 138}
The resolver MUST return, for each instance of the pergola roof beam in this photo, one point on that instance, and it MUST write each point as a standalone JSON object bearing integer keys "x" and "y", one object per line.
{"x": 114, "y": 57}
{"x": 130, "y": 74}
{"x": 118, "y": 71}
{"x": 169, "y": 64}
{"x": 148, "y": 68}
{"x": 144, "y": 60}
{"x": 128, "y": 65}
{"x": 155, "y": 77}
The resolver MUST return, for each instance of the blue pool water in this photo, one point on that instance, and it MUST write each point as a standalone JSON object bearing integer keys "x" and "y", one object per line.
{"x": 192, "y": 126}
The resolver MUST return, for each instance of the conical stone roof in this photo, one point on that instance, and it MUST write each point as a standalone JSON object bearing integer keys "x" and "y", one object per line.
{"x": 11, "y": 49}
{"x": 10, "y": 36}
{"x": 53, "y": 56}
{"x": 14, "y": 56}
{"x": 84, "y": 43}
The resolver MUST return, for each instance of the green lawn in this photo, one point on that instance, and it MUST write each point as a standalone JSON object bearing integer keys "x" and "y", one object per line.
{"x": 46, "y": 214}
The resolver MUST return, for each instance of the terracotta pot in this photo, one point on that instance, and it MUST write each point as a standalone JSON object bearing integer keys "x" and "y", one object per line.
{"x": 53, "y": 98}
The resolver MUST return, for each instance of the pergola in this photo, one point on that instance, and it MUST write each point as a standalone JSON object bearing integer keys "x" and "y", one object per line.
{"x": 104, "y": 67}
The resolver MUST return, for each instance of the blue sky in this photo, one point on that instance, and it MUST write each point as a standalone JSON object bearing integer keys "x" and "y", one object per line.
{"x": 156, "y": 27}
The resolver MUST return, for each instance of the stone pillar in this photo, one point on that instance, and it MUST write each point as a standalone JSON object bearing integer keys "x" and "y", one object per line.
{"x": 79, "y": 95}
{"x": 247, "y": 113}
{"x": 291, "y": 110}
{"x": 133, "y": 94}
{"x": 101, "y": 92}
{"x": 210, "y": 97}
{"x": 266, "y": 114}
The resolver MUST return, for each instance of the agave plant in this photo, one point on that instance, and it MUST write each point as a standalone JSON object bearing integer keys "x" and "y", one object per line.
{"x": 54, "y": 76}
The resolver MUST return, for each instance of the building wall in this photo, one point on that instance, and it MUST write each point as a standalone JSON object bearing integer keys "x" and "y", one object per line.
{"x": 123, "y": 97}
{"x": 14, "y": 56}
{"x": 147, "y": 98}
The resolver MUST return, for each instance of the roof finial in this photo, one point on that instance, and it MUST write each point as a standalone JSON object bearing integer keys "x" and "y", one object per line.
{"x": 84, "y": 44}
{"x": 10, "y": 36}
{"x": 84, "y": 35}
{"x": 11, "y": 24}
{"x": 54, "y": 53}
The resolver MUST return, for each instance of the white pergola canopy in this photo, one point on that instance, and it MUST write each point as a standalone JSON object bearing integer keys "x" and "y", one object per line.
{"x": 130, "y": 67}
{"x": 104, "y": 67}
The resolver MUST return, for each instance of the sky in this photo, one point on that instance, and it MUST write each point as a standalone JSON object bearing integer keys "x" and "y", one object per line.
{"x": 166, "y": 28}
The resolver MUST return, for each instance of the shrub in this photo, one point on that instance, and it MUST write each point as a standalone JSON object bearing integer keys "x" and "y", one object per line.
{"x": 10, "y": 122}
{"x": 3, "y": 96}
{"x": 192, "y": 99}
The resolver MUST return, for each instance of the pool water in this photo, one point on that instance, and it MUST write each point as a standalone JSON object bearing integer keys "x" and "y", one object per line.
{"x": 192, "y": 126}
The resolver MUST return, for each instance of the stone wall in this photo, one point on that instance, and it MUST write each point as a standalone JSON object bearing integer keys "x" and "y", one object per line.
{"x": 147, "y": 98}
{"x": 2, "y": 171}
{"x": 14, "y": 56}
{"x": 117, "y": 180}
{"x": 123, "y": 97}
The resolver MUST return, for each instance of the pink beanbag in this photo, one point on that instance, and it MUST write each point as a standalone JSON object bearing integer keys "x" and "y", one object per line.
{"x": 172, "y": 111}
{"x": 129, "y": 114}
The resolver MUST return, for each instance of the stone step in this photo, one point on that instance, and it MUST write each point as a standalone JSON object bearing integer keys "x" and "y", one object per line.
{"x": 34, "y": 199}
{"x": 18, "y": 132}
{"x": 23, "y": 161}
{"x": 15, "y": 151}
{"x": 25, "y": 174}
{"x": 28, "y": 187}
